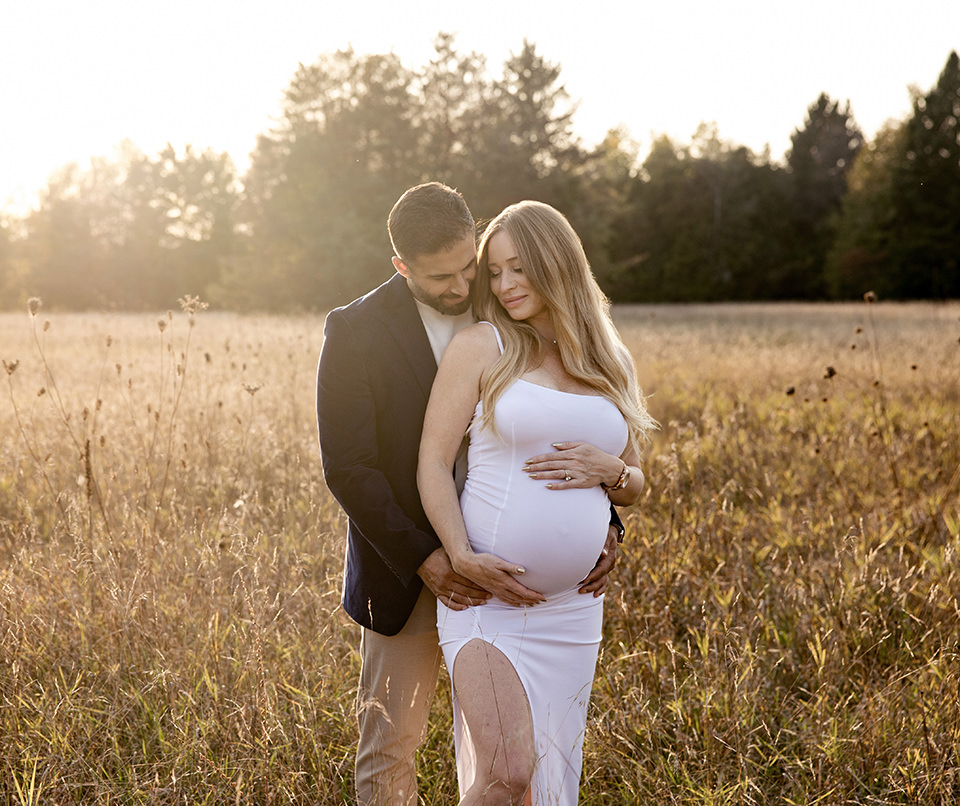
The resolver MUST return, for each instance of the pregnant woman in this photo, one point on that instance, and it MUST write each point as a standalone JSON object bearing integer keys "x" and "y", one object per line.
{"x": 546, "y": 390}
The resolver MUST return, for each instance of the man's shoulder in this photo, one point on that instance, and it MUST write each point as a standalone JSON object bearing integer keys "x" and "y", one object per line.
{"x": 383, "y": 298}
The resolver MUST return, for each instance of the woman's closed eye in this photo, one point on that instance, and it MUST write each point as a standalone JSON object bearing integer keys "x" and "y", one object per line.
{"x": 495, "y": 274}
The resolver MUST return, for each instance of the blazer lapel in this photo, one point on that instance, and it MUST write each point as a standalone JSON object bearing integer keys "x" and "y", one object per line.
{"x": 401, "y": 317}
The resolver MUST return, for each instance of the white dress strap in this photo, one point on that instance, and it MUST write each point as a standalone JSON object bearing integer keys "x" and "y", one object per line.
{"x": 495, "y": 333}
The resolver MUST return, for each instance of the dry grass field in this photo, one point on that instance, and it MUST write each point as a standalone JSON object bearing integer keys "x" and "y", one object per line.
{"x": 783, "y": 627}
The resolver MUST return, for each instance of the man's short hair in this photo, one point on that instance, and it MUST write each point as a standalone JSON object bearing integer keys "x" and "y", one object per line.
{"x": 428, "y": 219}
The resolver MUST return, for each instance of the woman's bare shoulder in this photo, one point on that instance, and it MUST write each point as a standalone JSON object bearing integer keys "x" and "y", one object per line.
{"x": 476, "y": 342}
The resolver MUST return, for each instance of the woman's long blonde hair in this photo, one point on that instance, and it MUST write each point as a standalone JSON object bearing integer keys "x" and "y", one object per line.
{"x": 591, "y": 350}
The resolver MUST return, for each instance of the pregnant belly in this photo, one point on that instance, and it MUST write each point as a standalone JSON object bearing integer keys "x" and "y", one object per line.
{"x": 558, "y": 543}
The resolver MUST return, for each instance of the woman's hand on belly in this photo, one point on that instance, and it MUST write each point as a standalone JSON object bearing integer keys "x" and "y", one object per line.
{"x": 494, "y": 574}
{"x": 574, "y": 465}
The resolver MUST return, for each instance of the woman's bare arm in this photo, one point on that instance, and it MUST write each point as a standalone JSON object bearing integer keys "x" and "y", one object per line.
{"x": 453, "y": 400}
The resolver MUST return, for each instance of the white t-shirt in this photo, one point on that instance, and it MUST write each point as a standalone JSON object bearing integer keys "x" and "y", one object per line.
{"x": 440, "y": 331}
{"x": 442, "y": 328}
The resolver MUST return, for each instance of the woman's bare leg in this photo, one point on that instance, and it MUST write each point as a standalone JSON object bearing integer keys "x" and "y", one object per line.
{"x": 495, "y": 709}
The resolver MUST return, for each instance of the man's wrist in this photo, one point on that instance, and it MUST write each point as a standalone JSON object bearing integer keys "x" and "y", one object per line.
{"x": 621, "y": 531}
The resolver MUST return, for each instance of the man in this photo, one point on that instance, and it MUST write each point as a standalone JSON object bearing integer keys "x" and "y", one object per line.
{"x": 377, "y": 364}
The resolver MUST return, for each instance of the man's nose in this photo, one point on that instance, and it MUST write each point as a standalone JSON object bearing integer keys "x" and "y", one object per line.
{"x": 461, "y": 286}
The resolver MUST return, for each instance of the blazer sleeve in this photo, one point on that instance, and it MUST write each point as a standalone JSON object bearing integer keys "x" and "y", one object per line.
{"x": 347, "y": 422}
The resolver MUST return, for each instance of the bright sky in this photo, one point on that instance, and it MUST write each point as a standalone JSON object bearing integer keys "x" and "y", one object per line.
{"x": 77, "y": 78}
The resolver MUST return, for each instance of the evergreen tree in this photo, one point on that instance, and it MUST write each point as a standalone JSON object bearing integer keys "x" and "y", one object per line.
{"x": 454, "y": 96}
{"x": 859, "y": 259}
{"x": 822, "y": 153}
{"x": 898, "y": 233}
{"x": 925, "y": 237}
{"x": 602, "y": 184}
{"x": 527, "y": 148}
{"x": 703, "y": 222}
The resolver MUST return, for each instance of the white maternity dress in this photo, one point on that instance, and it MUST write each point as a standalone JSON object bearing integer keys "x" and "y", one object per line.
{"x": 557, "y": 536}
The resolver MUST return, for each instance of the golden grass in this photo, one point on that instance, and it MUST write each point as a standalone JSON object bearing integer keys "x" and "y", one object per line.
{"x": 782, "y": 628}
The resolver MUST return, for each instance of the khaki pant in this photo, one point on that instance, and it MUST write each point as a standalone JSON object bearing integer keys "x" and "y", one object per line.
{"x": 398, "y": 678}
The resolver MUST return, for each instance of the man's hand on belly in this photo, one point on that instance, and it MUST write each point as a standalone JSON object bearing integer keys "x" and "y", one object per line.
{"x": 596, "y": 581}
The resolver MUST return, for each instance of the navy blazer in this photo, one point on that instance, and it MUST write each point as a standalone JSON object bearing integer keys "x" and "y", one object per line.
{"x": 373, "y": 382}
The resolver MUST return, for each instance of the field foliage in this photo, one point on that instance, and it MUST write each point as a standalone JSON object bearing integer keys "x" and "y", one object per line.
{"x": 782, "y": 628}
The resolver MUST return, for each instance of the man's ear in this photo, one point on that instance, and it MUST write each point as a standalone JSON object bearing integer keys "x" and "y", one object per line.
{"x": 401, "y": 267}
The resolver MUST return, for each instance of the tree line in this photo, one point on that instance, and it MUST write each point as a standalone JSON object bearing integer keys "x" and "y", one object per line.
{"x": 304, "y": 227}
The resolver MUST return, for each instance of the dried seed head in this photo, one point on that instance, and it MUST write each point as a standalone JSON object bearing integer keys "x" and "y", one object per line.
{"x": 859, "y": 329}
{"x": 46, "y": 325}
{"x": 33, "y": 305}
{"x": 870, "y": 297}
{"x": 829, "y": 372}
{"x": 191, "y": 305}
{"x": 791, "y": 391}
{"x": 11, "y": 366}
{"x": 41, "y": 391}
{"x": 109, "y": 340}
{"x": 252, "y": 389}
{"x": 162, "y": 324}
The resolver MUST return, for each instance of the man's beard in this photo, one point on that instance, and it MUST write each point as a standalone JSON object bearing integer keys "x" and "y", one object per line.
{"x": 448, "y": 307}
